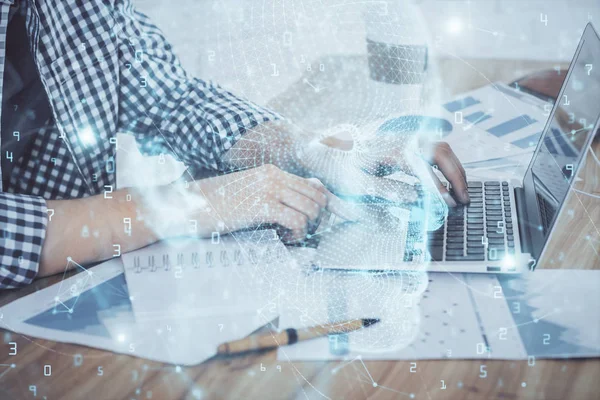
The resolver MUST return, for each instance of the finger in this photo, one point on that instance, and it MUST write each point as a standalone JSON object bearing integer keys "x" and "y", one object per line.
{"x": 339, "y": 207}
{"x": 442, "y": 189}
{"x": 335, "y": 205}
{"x": 443, "y": 150}
{"x": 301, "y": 203}
{"x": 346, "y": 210}
{"x": 308, "y": 187}
{"x": 457, "y": 162}
{"x": 449, "y": 165}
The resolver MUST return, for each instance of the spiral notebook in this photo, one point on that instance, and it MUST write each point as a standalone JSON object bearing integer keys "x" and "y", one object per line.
{"x": 190, "y": 278}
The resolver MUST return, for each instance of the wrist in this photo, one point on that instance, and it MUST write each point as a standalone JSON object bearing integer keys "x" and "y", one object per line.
{"x": 129, "y": 217}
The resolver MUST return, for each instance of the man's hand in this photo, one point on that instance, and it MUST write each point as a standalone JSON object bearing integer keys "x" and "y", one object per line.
{"x": 264, "y": 195}
{"x": 385, "y": 155}
{"x": 392, "y": 154}
{"x": 105, "y": 227}
{"x": 443, "y": 157}
{"x": 354, "y": 164}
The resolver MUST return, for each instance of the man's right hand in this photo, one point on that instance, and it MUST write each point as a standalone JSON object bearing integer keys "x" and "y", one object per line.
{"x": 265, "y": 195}
{"x": 132, "y": 218}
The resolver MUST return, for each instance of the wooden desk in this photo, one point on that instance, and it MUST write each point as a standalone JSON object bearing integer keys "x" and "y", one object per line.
{"x": 260, "y": 376}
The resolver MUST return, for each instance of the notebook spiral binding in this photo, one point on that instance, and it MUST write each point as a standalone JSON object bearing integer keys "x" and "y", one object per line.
{"x": 196, "y": 259}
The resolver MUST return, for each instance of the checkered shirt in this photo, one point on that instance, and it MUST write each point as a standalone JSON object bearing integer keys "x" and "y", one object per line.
{"x": 106, "y": 69}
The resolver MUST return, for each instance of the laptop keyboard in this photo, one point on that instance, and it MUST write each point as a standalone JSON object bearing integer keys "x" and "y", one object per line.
{"x": 479, "y": 231}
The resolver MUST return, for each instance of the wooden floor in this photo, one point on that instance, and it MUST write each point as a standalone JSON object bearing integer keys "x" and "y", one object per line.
{"x": 103, "y": 375}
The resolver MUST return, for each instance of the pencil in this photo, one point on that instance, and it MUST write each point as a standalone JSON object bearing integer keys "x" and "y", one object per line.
{"x": 291, "y": 336}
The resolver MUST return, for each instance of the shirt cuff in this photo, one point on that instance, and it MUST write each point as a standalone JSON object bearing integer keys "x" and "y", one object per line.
{"x": 23, "y": 222}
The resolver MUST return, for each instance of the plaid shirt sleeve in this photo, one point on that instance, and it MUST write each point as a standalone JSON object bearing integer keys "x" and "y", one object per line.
{"x": 23, "y": 221}
{"x": 167, "y": 110}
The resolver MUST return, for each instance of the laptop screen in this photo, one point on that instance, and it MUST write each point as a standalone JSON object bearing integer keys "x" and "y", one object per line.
{"x": 565, "y": 137}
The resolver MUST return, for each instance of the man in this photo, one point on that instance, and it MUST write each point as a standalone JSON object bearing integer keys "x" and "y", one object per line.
{"x": 77, "y": 72}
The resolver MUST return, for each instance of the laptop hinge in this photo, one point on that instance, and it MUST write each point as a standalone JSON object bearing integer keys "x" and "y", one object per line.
{"x": 525, "y": 237}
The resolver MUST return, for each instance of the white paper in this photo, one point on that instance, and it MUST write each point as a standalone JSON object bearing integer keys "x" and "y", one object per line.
{"x": 182, "y": 341}
{"x": 443, "y": 324}
{"x": 544, "y": 314}
{"x": 472, "y": 141}
{"x": 186, "y": 278}
{"x": 102, "y": 317}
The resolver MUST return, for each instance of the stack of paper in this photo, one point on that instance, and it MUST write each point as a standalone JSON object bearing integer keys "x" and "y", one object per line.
{"x": 495, "y": 130}
{"x": 176, "y": 308}
{"x": 544, "y": 314}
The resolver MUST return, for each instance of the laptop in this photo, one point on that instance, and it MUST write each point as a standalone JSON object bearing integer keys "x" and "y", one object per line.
{"x": 507, "y": 225}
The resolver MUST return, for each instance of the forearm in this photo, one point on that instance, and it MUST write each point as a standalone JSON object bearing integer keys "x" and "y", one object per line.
{"x": 305, "y": 154}
{"x": 92, "y": 229}
{"x": 278, "y": 143}
{"x": 100, "y": 227}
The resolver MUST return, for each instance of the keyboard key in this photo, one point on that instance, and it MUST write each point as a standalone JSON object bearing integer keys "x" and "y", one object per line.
{"x": 492, "y": 202}
{"x": 492, "y": 226}
{"x": 473, "y": 245}
{"x": 476, "y": 209}
{"x": 495, "y": 257}
{"x": 475, "y": 232}
{"x": 509, "y": 231}
{"x": 476, "y": 250}
{"x": 508, "y": 220}
{"x": 475, "y": 239}
{"x": 504, "y": 183}
{"x": 492, "y": 235}
{"x": 474, "y": 226}
{"x": 510, "y": 243}
{"x": 455, "y": 233}
{"x": 492, "y": 183}
{"x": 475, "y": 220}
{"x": 454, "y": 246}
{"x": 458, "y": 239}
{"x": 454, "y": 253}
{"x": 454, "y": 228}
{"x": 493, "y": 212}
{"x": 468, "y": 257}
{"x": 510, "y": 237}
{"x": 496, "y": 247}
{"x": 474, "y": 184}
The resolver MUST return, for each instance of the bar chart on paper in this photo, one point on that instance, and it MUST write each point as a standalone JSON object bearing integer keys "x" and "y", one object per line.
{"x": 496, "y": 128}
